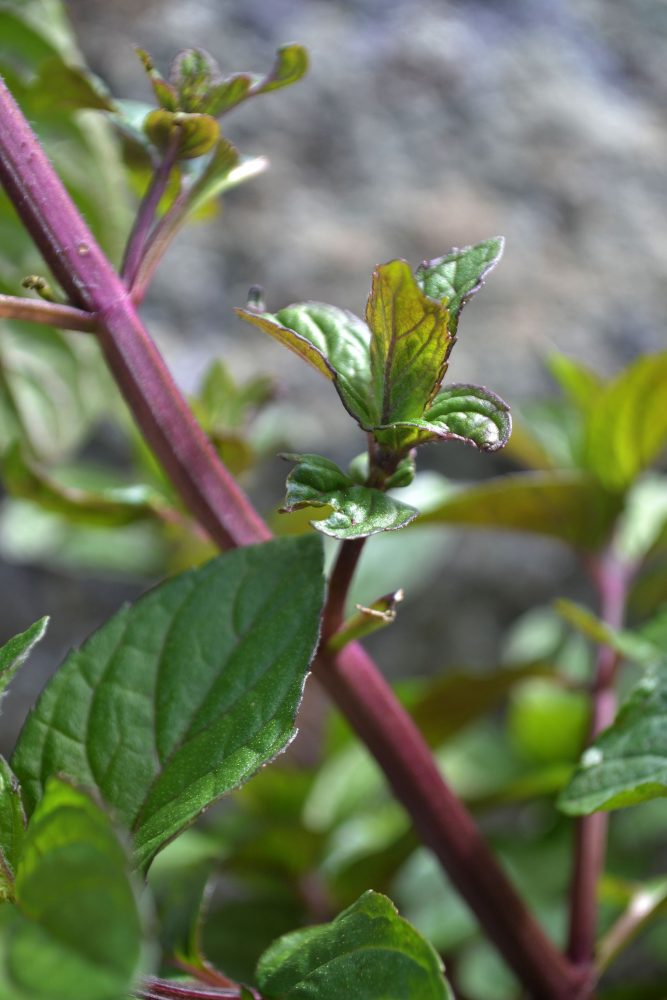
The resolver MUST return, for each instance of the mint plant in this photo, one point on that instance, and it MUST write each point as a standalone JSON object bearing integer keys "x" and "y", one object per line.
{"x": 187, "y": 694}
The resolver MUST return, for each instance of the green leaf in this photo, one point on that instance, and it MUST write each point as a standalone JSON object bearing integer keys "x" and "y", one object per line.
{"x": 215, "y": 178}
{"x": 358, "y": 511}
{"x": 60, "y": 86}
{"x": 12, "y": 828}
{"x": 367, "y": 620}
{"x": 569, "y": 506}
{"x": 109, "y": 507}
{"x": 410, "y": 345}
{"x": 15, "y": 652}
{"x": 367, "y": 953}
{"x": 454, "y": 278}
{"x": 630, "y": 645}
{"x": 334, "y": 341}
{"x": 467, "y": 413}
{"x": 165, "y": 94}
{"x": 193, "y": 73}
{"x": 627, "y": 427}
{"x": 290, "y": 65}
{"x": 627, "y": 763}
{"x": 198, "y": 133}
{"x": 580, "y": 384}
{"x": 182, "y": 696}
{"x": 75, "y": 933}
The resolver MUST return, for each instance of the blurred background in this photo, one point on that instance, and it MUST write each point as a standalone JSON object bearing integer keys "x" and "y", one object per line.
{"x": 420, "y": 126}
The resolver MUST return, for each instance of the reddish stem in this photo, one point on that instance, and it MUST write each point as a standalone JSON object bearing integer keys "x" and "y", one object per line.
{"x": 611, "y": 579}
{"x": 166, "y": 989}
{"x": 339, "y": 585}
{"x": 217, "y": 502}
{"x": 47, "y": 313}
{"x": 147, "y": 211}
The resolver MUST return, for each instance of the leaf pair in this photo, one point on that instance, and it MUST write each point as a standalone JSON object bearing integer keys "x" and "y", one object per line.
{"x": 388, "y": 370}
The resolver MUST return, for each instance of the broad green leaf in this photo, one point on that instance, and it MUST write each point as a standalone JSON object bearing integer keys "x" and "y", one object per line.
{"x": 627, "y": 427}
{"x": 468, "y": 413}
{"x": 367, "y": 953}
{"x": 182, "y": 696}
{"x": 334, "y": 341}
{"x": 358, "y": 511}
{"x": 627, "y": 763}
{"x": 410, "y": 344}
{"x": 75, "y": 932}
{"x": 569, "y": 506}
{"x": 290, "y": 65}
{"x": 454, "y": 278}
{"x": 15, "y": 652}
{"x": 12, "y": 828}
{"x": 198, "y": 133}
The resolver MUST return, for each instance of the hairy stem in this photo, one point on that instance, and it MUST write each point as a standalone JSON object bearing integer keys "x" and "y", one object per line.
{"x": 147, "y": 211}
{"x": 47, "y": 313}
{"x": 214, "y": 498}
{"x": 611, "y": 579}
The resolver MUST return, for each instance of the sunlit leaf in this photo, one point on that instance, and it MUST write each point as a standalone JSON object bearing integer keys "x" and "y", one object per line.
{"x": 454, "y": 278}
{"x": 182, "y": 696}
{"x": 15, "y": 652}
{"x": 367, "y": 953}
{"x": 627, "y": 763}
{"x": 358, "y": 511}
{"x": 12, "y": 828}
{"x": 290, "y": 65}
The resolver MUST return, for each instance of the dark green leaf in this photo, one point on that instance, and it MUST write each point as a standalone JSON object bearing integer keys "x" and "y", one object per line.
{"x": 627, "y": 763}
{"x": 15, "y": 652}
{"x": 358, "y": 511}
{"x": 198, "y": 133}
{"x": 468, "y": 413}
{"x": 12, "y": 828}
{"x": 454, "y": 278}
{"x": 410, "y": 344}
{"x": 334, "y": 341}
{"x": 184, "y": 695}
{"x": 75, "y": 933}
{"x": 569, "y": 506}
{"x": 627, "y": 427}
{"x": 367, "y": 953}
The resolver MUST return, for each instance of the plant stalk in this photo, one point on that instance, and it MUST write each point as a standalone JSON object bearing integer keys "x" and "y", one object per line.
{"x": 214, "y": 498}
{"x": 611, "y": 579}
{"x": 47, "y": 313}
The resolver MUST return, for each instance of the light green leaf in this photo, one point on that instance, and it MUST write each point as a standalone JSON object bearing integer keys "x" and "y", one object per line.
{"x": 290, "y": 65}
{"x": 182, "y": 696}
{"x": 12, "y": 828}
{"x": 358, "y": 511}
{"x": 569, "y": 506}
{"x": 627, "y": 763}
{"x": 334, "y": 341}
{"x": 75, "y": 933}
{"x": 198, "y": 133}
{"x": 15, "y": 652}
{"x": 580, "y": 384}
{"x": 627, "y": 427}
{"x": 367, "y": 953}
{"x": 631, "y": 645}
{"x": 165, "y": 94}
{"x": 454, "y": 278}
{"x": 468, "y": 413}
{"x": 547, "y": 723}
{"x": 410, "y": 344}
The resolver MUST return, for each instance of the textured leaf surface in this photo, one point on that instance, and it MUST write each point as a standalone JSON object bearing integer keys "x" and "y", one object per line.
{"x": 454, "y": 278}
{"x": 358, "y": 511}
{"x": 628, "y": 762}
{"x": 184, "y": 695}
{"x": 290, "y": 65}
{"x": 569, "y": 506}
{"x": 367, "y": 953}
{"x": 12, "y": 827}
{"x": 15, "y": 652}
{"x": 75, "y": 933}
{"x": 334, "y": 341}
{"x": 410, "y": 344}
{"x": 627, "y": 427}
{"x": 468, "y": 413}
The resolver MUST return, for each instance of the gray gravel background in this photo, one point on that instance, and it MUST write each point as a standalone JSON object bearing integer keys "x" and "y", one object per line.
{"x": 421, "y": 125}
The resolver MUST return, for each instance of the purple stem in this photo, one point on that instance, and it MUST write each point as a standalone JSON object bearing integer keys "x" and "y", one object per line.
{"x": 147, "y": 211}
{"x": 611, "y": 578}
{"x": 214, "y": 498}
{"x": 47, "y": 313}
